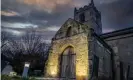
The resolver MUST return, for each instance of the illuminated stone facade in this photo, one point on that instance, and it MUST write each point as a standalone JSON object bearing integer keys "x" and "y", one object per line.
{"x": 79, "y": 41}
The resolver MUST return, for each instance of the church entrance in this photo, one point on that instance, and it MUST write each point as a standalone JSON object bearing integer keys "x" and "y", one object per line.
{"x": 67, "y": 64}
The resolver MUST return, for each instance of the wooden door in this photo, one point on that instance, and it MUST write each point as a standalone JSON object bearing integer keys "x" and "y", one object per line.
{"x": 68, "y": 60}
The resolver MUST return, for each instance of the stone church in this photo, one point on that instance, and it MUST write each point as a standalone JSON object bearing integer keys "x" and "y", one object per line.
{"x": 79, "y": 50}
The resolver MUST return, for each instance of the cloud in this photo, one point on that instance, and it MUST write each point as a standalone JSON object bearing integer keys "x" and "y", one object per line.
{"x": 107, "y": 1}
{"x": 9, "y": 13}
{"x": 14, "y": 32}
{"x": 47, "y": 41}
{"x": 53, "y": 28}
{"x": 47, "y": 5}
{"x": 117, "y": 15}
{"x": 18, "y": 25}
{"x": 46, "y": 32}
{"x": 105, "y": 30}
{"x": 47, "y": 29}
{"x": 30, "y": 13}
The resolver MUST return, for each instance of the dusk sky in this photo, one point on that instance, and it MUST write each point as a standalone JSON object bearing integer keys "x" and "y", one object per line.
{"x": 47, "y": 16}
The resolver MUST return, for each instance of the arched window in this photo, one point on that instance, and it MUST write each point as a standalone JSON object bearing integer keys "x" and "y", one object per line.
{"x": 68, "y": 33}
{"x": 82, "y": 17}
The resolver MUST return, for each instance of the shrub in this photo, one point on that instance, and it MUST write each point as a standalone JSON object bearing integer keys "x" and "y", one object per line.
{"x": 6, "y": 77}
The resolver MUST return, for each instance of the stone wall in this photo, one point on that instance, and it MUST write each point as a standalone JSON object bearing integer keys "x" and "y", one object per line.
{"x": 123, "y": 48}
{"x": 80, "y": 44}
{"x": 98, "y": 49}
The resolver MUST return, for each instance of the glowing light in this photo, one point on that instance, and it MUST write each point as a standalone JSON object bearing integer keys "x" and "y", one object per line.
{"x": 81, "y": 71}
{"x": 52, "y": 67}
{"x": 53, "y": 72}
{"x": 27, "y": 65}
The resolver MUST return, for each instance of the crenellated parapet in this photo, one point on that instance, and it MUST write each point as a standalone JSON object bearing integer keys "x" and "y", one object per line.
{"x": 86, "y": 7}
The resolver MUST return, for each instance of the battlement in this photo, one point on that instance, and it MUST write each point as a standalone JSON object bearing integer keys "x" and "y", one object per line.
{"x": 86, "y": 7}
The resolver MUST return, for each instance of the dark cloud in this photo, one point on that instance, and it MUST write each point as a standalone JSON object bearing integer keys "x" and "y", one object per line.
{"x": 13, "y": 18}
{"x": 37, "y": 16}
{"x": 116, "y": 14}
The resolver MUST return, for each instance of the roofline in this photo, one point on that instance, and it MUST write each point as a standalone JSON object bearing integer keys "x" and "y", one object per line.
{"x": 102, "y": 41}
{"x": 117, "y": 33}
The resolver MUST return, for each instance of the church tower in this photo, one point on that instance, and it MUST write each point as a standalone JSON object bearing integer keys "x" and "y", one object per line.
{"x": 90, "y": 16}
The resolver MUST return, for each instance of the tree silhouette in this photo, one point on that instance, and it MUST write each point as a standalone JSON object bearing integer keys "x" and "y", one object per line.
{"x": 5, "y": 57}
{"x": 30, "y": 48}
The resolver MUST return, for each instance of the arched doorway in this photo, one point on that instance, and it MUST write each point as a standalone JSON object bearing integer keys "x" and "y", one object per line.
{"x": 67, "y": 63}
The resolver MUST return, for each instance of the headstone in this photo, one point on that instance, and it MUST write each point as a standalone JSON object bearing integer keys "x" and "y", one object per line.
{"x": 26, "y": 68}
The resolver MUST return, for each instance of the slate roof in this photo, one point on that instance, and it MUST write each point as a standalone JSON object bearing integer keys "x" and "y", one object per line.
{"x": 117, "y": 33}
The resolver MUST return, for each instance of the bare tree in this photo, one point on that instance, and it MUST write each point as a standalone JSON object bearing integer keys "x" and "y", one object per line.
{"x": 29, "y": 48}
{"x": 5, "y": 57}
{"x": 4, "y": 38}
